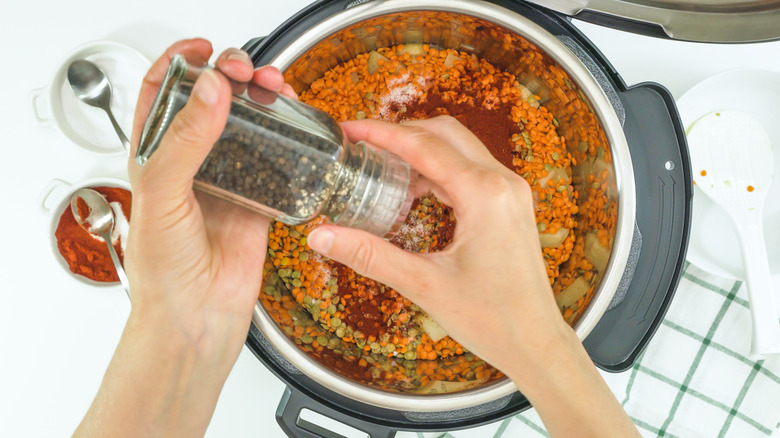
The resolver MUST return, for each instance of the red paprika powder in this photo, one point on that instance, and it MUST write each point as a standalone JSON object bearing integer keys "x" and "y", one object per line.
{"x": 86, "y": 254}
{"x": 492, "y": 124}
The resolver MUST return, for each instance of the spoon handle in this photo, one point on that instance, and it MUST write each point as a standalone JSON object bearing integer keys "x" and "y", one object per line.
{"x": 766, "y": 325}
{"x": 118, "y": 129}
{"x": 120, "y": 270}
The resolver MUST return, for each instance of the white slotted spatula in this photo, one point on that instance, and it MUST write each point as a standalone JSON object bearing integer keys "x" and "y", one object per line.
{"x": 733, "y": 165}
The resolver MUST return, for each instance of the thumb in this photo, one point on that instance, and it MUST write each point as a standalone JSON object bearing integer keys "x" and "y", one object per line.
{"x": 371, "y": 256}
{"x": 189, "y": 138}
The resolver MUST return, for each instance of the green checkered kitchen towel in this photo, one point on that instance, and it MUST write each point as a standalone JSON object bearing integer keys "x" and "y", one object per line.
{"x": 694, "y": 379}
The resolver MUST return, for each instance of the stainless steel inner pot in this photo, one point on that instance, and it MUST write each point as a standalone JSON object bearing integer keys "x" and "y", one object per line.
{"x": 507, "y": 40}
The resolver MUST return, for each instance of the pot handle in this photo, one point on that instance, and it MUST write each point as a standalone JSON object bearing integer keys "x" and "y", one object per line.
{"x": 38, "y": 98}
{"x": 664, "y": 189}
{"x": 54, "y": 189}
{"x": 288, "y": 415}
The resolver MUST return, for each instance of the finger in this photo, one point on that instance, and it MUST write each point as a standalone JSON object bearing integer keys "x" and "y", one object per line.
{"x": 422, "y": 186}
{"x": 235, "y": 64}
{"x": 188, "y": 140}
{"x": 260, "y": 94}
{"x": 270, "y": 78}
{"x": 287, "y": 90}
{"x": 458, "y": 136}
{"x": 195, "y": 50}
{"x": 433, "y": 158}
{"x": 370, "y": 255}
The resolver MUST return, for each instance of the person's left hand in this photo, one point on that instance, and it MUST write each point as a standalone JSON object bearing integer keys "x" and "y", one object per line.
{"x": 195, "y": 262}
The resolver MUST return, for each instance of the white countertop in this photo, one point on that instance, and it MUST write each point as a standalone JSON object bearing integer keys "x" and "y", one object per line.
{"x": 57, "y": 335}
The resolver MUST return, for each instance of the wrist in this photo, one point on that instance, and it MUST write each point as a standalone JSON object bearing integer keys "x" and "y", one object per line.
{"x": 566, "y": 390}
{"x": 175, "y": 361}
{"x": 167, "y": 385}
{"x": 210, "y": 335}
{"x": 195, "y": 348}
{"x": 554, "y": 354}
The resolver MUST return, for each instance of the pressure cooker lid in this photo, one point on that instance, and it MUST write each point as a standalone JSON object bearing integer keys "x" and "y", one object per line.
{"x": 727, "y": 21}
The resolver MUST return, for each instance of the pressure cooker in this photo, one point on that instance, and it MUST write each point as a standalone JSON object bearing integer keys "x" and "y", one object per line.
{"x": 650, "y": 169}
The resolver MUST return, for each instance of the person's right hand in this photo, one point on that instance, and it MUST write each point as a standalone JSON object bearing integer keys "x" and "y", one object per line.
{"x": 488, "y": 289}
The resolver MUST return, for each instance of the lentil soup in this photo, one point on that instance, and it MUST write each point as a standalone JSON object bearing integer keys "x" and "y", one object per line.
{"x": 535, "y": 122}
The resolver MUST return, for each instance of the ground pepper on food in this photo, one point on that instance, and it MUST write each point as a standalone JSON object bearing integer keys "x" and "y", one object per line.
{"x": 86, "y": 254}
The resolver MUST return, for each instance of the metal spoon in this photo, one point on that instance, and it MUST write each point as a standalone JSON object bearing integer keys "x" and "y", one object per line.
{"x": 99, "y": 221}
{"x": 91, "y": 86}
{"x": 734, "y": 166}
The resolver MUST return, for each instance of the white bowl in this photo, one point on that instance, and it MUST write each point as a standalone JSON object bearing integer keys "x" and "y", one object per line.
{"x": 87, "y": 126}
{"x": 55, "y": 198}
{"x": 714, "y": 245}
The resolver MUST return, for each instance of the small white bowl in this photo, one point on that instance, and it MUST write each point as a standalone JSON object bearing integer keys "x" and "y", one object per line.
{"x": 55, "y": 198}
{"x": 87, "y": 126}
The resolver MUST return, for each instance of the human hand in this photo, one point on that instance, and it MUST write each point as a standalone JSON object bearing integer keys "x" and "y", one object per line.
{"x": 488, "y": 289}
{"x": 194, "y": 264}
{"x": 194, "y": 260}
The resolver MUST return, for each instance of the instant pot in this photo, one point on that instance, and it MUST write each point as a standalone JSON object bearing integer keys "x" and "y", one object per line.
{"x": 650, "y": 168}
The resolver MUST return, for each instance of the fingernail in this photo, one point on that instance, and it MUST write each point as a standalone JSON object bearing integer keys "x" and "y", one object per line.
{"x": 207, "y": 87}
{"x": 321, "y": 239}
{"x": 239, "y": 55}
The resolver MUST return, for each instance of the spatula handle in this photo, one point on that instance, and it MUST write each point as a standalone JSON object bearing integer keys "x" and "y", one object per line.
{"x": 766, "y": 326}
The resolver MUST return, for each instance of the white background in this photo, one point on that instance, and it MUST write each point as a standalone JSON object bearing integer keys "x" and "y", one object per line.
{"x": 57, "y": 335}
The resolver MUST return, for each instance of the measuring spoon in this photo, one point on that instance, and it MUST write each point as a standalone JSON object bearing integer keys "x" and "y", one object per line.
{"x": 100, "y": 222}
